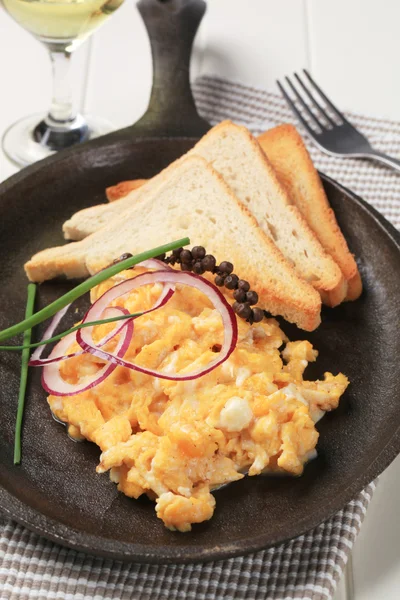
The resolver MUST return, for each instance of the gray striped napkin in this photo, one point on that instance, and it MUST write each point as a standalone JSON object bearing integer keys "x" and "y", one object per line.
{"x": 307, "y": 568}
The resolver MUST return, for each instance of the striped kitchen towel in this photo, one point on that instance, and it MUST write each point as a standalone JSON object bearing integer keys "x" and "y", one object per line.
{"x": 306, "y": 568}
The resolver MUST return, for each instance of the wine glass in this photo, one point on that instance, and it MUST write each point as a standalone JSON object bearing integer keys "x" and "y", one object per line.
{"x": 62, "y": 26}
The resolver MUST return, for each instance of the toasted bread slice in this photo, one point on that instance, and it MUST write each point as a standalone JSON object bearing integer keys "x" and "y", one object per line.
{"x": 89, "y": 220}
{"x": 115, "y": 192}
{"x": 288, "y": 155}
{"x": 291, "y": 161}
{"x": 237, "y": 156}
{"x": 180, "y": 207}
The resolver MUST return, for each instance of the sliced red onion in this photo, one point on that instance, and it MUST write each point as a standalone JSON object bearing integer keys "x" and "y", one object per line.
{"x": 155, "y": 263}
{"x": 37, "y": 361}
{"x": 48, "y": 334}
{"x": 54, "y": 384}
{"x": 169, "y": 289}
{"x": 85, "y": 340}
{"x": 102, "y": 304}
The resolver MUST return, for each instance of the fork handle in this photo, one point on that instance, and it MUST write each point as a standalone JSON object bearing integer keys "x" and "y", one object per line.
{"x": 385, "y": 159}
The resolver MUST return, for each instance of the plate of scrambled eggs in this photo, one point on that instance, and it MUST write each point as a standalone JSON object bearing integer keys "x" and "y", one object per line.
{"x": 259, "y": 450}
{"x": 177, "y": 441}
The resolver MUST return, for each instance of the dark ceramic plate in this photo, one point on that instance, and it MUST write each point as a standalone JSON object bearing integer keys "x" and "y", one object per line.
{"x": 56, "y": 491}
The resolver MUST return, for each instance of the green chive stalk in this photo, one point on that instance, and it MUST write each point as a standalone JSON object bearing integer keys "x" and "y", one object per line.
{"x": 86, "y": 286}
{"x": 24, "y": 374}
{"x": 59, "y": 336}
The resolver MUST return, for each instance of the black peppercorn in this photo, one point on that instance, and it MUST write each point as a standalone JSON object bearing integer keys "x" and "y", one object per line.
{"x": 186, "y": 266}
{"x": 175, "y": 256}
{"x": 243, "y": 310}
{"x": 122, "y": 257}
{"x": 231, "y": 281}
{"x": 209, "y": 262}
{"x": 198, "y": 268}
{"x": 198, "y": 252}
{"x": 198, "y": 261}
{"x": 186, "y": 256}
{"x": 252, "y": 297}
{"x": 239, "y": 295}
{"x": 243, "y": 285}
{"x": 258, "y": 314}
{"x": 219, "y": 280}
{"x": 225, "y": 267}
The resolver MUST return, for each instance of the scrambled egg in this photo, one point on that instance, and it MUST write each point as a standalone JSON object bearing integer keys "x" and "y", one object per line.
{"x": 176, "y": 441}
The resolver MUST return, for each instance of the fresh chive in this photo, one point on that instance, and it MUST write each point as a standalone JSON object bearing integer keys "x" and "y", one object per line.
{"x": 59, "y": 336}
{"x": 85, "y": 287}
{"x": 24, "y": 374}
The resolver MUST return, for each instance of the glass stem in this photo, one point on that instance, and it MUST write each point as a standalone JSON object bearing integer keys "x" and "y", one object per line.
{"x": 62, "y": 107}
{"x": 63, "y": 126}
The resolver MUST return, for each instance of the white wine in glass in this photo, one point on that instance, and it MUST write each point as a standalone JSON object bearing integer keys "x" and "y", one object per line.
{"x": 61, "y": 25}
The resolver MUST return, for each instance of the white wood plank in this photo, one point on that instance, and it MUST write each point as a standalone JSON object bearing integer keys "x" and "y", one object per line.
{"x": 354, "y": 53}
{"x": 376, "y": 555}
{"x": 121, "y": 68}
{"x": 254, "y": 42}
{"x": 6, "y": 167}
{"x": 237, "y": 40}
{"x": 341, "y": 590}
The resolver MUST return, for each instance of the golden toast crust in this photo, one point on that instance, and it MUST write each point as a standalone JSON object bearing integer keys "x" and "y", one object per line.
{"x": 332, "y": 286}
{"x": 121, "y": 189}
{"x": 290, "y": 158}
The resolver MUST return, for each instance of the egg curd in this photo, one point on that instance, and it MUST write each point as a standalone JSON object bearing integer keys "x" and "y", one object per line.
{"x": 176, "y": 441}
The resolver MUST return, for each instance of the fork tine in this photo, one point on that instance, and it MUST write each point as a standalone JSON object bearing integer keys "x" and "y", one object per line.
{"x": 324, "y": 96}
{"x": 305, "y": 105}
{"x": 315, "y": 101}
{"x": 295, "y": 109}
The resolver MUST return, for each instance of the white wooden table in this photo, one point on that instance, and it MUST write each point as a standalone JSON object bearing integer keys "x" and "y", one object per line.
{"x": 352, "y": 48}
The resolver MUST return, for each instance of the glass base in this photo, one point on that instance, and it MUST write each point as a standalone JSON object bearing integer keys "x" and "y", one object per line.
{"x": 22, "y": 149}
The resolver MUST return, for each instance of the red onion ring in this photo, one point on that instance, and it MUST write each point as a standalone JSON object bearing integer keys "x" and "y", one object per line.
{"x": 54, "y": 384}
{"x": 37, "y": 361}
{"x": 168, "y": 291}
{"x": 155, "y": 263}
{"x": 170, "y": 276}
